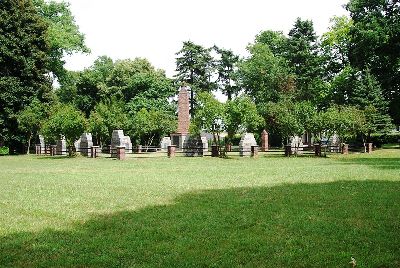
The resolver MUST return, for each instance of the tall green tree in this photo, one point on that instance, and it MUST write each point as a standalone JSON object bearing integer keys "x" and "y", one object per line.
{"x": 375, "y": 45}
{"x": 31, "y": 119}
{"x": 195, "y": 65}
{"x": 24, "y": 65}
{"x": 264, "y": 76}
{"x": 65, "y": 120}
{"x": 226, "y": 66}
{"x": 305, "y": 61}
{"x": 62, "y": 35}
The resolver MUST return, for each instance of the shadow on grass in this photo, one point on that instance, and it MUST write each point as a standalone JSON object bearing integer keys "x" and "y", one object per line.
{"x": 375, "y": 162}
{"x": 313, "y": 225}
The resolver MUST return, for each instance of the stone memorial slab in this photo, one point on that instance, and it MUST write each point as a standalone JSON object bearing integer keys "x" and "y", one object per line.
{"x": 165, "y": 142}
{"x": 61, "y": 148}
{"x": 247, "y": 140}
{"x": 297, "y": 145}
{"x": 119, "y": 139}
{"x": 193, "y": 147}
{"x": 86, "y": 144}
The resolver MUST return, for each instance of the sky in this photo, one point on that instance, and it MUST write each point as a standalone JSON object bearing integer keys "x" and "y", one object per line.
{"x": 156, "y": 29}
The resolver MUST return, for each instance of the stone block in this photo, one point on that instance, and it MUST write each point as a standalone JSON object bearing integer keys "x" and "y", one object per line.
{"x": 247, "y": 140}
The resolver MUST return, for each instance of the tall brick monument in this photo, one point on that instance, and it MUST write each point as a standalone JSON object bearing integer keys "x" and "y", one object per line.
{"x": 182, "y": 132}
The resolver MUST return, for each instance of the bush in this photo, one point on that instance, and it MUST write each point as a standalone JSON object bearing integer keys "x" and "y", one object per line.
{"x": 380, "y": 139}
{"x": 4, "y": 150}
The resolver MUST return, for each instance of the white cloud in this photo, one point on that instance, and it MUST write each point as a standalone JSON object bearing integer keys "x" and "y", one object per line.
{"x": 155, "y": 29}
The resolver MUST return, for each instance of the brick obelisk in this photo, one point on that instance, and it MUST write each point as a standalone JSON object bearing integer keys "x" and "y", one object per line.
{"x": 264, "y": 141}
{"x": 182, "y": 132}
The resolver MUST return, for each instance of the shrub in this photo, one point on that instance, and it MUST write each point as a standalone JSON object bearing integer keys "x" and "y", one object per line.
{"x": 4, "y": 150}
{"x": 379, "y": 139}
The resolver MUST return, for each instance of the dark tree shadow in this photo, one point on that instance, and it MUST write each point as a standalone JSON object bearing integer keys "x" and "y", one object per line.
{"x": 375, "y": 162}
{"x": 303, "y": 225}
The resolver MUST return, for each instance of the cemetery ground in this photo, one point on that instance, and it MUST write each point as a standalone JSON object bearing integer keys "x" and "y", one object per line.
{"x": 195, "y": 212}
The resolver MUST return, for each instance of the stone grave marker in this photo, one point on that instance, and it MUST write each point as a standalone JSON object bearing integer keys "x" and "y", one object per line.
{"x": 86, "y": 144}
{"x": 245, "y": 144}
{"x": 165, "y": 142}
{"x": 61, "y": 148}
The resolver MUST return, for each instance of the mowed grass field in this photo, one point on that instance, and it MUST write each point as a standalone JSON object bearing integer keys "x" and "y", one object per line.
{"x": 201, "y": 212}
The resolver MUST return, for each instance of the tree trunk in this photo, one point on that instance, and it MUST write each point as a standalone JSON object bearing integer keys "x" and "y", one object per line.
{"x": 29, "y": 143}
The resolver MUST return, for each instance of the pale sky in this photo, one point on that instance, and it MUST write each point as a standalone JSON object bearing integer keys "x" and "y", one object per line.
{"x": 155, "y": 29}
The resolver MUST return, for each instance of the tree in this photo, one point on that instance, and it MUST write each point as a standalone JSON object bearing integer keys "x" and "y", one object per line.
{"x": 63, "y": 35}
{"x": 31, "y": 118}
{"x": 336, "y": 44}
{"x": 68, "y": 121}
{"x": 375, "y": 45}
{"x": 209, "y": 117}
{"x": 305, "y": 61}
{"x": 265, "y": 76}
{"x": 24, "y": 63}
{"x": 194, "y": 65}
{"x": 106, "y": 117}
{"x": 281, "y": 118}
{"x": 241, "y": 115}
{"x": 149, "y": 126}
{"x": 226, "y": 66}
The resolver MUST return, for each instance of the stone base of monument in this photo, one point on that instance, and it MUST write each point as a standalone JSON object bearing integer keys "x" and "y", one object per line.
{"x": 193, "y": 147}
{"x": 165, "y": 142}
{"x": 85, "y": 144}
{"x": 179, "y": 140}
{"x": 171, "y": 150}
{"x": 94, "y": 151}
{"x": 118, "y": 139}
{"x": 214, "y": 151}
{"x": 61, "y": 147}
{"x": 254, "y": 151}
{"x": 345, "y": 148}
{"x": 368, "y": 148}
{"x": 245, "y": 144}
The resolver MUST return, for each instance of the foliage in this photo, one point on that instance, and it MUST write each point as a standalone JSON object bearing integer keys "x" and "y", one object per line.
{"x": 106, "y": 117}
{"x": 209, "y": 117}
{"x": 31, "y": 118}
{"x": 241, "y": 115}
{"x": 305, "y": 61}
{"x": 4, "y": 150}
{"x": 63, "y": 35}
{"x": 226, "y": 66}
{"x": 264, "y": 76}
{"x": 375, "y": 44}
{"x": 24, "y": 64}
{"x": 336, "y": 44}
{"x": 149, "y": 126}
{"x": 65, "y": 120}
{"x": 195, "y": 65}
{"x": 281, "y": 117}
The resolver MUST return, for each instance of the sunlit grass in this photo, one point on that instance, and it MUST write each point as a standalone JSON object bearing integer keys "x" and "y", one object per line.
{"x": 156, "y": 211}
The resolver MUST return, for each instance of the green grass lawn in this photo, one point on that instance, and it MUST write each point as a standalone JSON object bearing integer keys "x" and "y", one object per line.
{"x": 200, "y": 212}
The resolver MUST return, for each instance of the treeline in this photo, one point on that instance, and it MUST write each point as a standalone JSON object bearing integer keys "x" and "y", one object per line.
{"x": 346, "y": 81}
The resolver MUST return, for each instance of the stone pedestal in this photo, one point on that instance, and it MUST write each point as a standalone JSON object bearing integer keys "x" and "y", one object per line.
{"x": 61, "y": 147}
{"x": 119, "y": 139}
{"x": 214, "y": 151}
{"x": 228, "y": 147}
{"x": 139, "y": 149}
{"x": 53, "y": 150}
{"x": 94, "y": 151}
{"x": 121, "y": 153}
{"x": 38, "y": 150}
{"x": 345, "y": 148}
{"x": 86, "y": 144}
{"x": 165, "y": 142}
{"x": 205, "y": 143}
{"x": 264, "y": 141}
{"x": 288, "y": 150}
{"x": 317, "y": 149}
{"x": 171, "y": 150}
{"x": 254, "y": 151}
{"x": 245, "y": 144}
{"x": 42, "y": 146}
{"x": 193, "y": 147}
{"x": 368, "y": 148}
